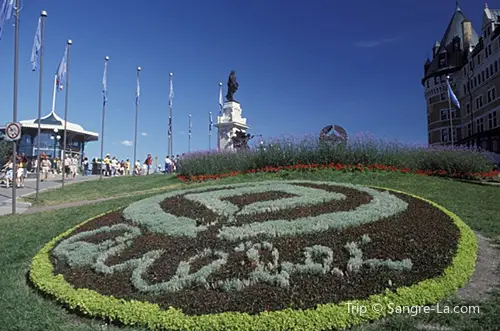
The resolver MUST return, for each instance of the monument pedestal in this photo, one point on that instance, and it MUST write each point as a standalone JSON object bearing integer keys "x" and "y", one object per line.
{"x": 227, "y": 125}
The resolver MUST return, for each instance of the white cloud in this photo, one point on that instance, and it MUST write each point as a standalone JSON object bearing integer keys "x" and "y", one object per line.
{"x": 376, "y": 42}
{"x": 127, "y": 143}
{"x": 144, "y": 134}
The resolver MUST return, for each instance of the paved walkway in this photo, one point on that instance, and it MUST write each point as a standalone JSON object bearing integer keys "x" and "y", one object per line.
{"x": 29, "y": 189}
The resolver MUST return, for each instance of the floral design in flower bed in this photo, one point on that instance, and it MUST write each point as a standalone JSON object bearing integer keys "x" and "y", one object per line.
{"x": 262, "y": 246}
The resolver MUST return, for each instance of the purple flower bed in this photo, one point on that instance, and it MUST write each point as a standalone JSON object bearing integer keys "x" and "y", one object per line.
{"x": 363, "y": 149}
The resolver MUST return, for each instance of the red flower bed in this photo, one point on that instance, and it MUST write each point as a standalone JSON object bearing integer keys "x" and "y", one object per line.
{"x": 347, "y": 168}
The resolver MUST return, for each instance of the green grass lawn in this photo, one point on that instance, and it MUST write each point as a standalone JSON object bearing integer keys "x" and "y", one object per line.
{"x": 95, "y": 189}
{"x": 23, "y": 309}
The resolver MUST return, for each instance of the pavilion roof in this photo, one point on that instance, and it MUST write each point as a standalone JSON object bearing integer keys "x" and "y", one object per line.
{"x": 53, "y": 121}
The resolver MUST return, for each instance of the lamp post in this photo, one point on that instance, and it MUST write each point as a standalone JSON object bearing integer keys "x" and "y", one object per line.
{"x": 56, "y": 138}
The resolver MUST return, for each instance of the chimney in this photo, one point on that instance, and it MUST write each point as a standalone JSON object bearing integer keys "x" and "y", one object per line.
{"x": 467, "y": 33}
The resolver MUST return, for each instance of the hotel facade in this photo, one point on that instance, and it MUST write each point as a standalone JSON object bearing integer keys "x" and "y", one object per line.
{"x": 472, "y": 62}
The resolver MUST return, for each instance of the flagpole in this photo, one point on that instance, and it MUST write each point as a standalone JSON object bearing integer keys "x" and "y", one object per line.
{"x": 54, "y": 94}
{"x": 221, "y": 106}
{"x": 136, "y": 119}
{"x": 449, "y": 108}
{"x": 189, "y": 141}
{"x": 171, "y": 145}
{"x": 14, "y": 115}
{"x": 69, "y": 43}
{"x": 42, "y": 33}
{"x": 209, "y": 130}
{"x": 104, "y": 101}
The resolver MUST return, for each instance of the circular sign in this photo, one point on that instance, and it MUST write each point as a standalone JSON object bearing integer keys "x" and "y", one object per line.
{"x": 13, "y": 131}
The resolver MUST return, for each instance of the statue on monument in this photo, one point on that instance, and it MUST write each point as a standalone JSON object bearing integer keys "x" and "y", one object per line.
{"x": 232, "y": 86}
{"x": 240, "y": 140}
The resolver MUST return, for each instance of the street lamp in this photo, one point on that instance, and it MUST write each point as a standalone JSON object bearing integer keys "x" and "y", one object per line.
{"x": 56, "y": 138}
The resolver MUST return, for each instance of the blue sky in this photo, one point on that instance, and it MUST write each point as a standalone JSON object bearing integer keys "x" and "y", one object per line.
{"x": 301, "y": 65}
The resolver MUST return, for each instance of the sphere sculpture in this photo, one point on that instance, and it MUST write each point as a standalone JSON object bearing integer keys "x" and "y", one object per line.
{"x": 333, "y": 134}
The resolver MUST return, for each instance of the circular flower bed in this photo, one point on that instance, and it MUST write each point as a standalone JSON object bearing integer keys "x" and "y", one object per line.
{"x": 265, "y": 255}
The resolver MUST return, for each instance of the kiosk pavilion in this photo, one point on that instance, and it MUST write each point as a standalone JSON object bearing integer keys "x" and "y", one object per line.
{"x": 51, "y": 139}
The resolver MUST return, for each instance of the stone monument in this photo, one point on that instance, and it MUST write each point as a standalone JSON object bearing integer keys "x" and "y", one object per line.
{"x": 231, "y": 122}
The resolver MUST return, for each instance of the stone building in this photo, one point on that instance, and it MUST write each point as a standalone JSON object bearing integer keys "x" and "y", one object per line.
{"x": 472, "y": 62}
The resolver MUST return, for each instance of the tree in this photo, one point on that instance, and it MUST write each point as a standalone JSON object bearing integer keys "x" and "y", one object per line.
{"x": 5, "y": 150}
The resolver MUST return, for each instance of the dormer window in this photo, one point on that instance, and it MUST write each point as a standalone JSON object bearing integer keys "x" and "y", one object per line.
{"x": 442, "y": 60}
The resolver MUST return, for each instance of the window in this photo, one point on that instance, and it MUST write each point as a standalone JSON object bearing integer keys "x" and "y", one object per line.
{"x": 444, "y": 135}
{"x": 496, "y": 64}
{"x": 465, "y": 89}
{"x": 492, "y": 120}
{"x": 475, "y": 81}
{"x": 491, "y": 95}
{"x": 487, "y": 73}
{"x": 436, "y": 80}
{"x": 491, "y": 69}
{"x": 479, "y": 102}
{"x": 482, "y": 76}
{"x": 480, "y": 124}
{"x": 469, "y": 129}
{"x": 442, "y": 60}
{"x": 467, "y": 107}
{"x": 479, "y": 59}
{"x": 443, "y": 96}
{"x": 428, "y": 83}
{"x": 486, "y": 52}
{"x": 444, "y": 114}
{"x": 465, "y": 71}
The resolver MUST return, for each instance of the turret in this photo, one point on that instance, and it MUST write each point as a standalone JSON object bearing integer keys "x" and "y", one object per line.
{"x": 435, "y": 49}
{"x": 427, "y": 65}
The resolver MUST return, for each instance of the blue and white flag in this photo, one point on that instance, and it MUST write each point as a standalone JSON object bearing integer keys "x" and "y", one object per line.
{"x": 61, "y": 70}
{"x": 452, "y": 95}
{"x": 37, "y": 45}
{"x": 210, "y": 122}
{"x": 171, "y": 93}
{"x": 190, "y": 125}
{"x": 138, "y": 91}
{"x": 221, "y": 101}
{"x": 105, "y": 84}
{"x": 6, "y": 9}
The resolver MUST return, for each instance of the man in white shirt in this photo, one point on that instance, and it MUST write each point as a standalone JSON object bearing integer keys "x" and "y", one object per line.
{"x": 168, "y": 165}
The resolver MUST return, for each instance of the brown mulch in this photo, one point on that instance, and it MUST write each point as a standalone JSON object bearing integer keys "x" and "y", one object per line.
{"x": 423, "y": 233}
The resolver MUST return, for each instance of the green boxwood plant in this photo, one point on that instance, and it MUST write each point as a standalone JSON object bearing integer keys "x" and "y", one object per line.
{"x": 324, "y": 316}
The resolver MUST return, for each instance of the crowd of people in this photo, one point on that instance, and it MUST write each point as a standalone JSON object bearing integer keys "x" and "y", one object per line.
{"x": 111, "y": 166}
{"x": 72, "y": 165}
{"x": 47, "y": 166}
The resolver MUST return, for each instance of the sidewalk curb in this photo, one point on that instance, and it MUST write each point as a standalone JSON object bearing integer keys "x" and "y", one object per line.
{"x": 18, "y": 204}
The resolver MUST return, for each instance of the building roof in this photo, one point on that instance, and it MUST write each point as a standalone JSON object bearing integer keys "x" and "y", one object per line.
{"x": 492, "y": 14}
{"x": 454, "y": 30}
{"x": 53, "y": 121}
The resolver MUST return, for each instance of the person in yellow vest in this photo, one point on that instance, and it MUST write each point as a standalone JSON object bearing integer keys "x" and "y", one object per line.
{"x": 107, "y": 164}
{"x": 127, "y": 167}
